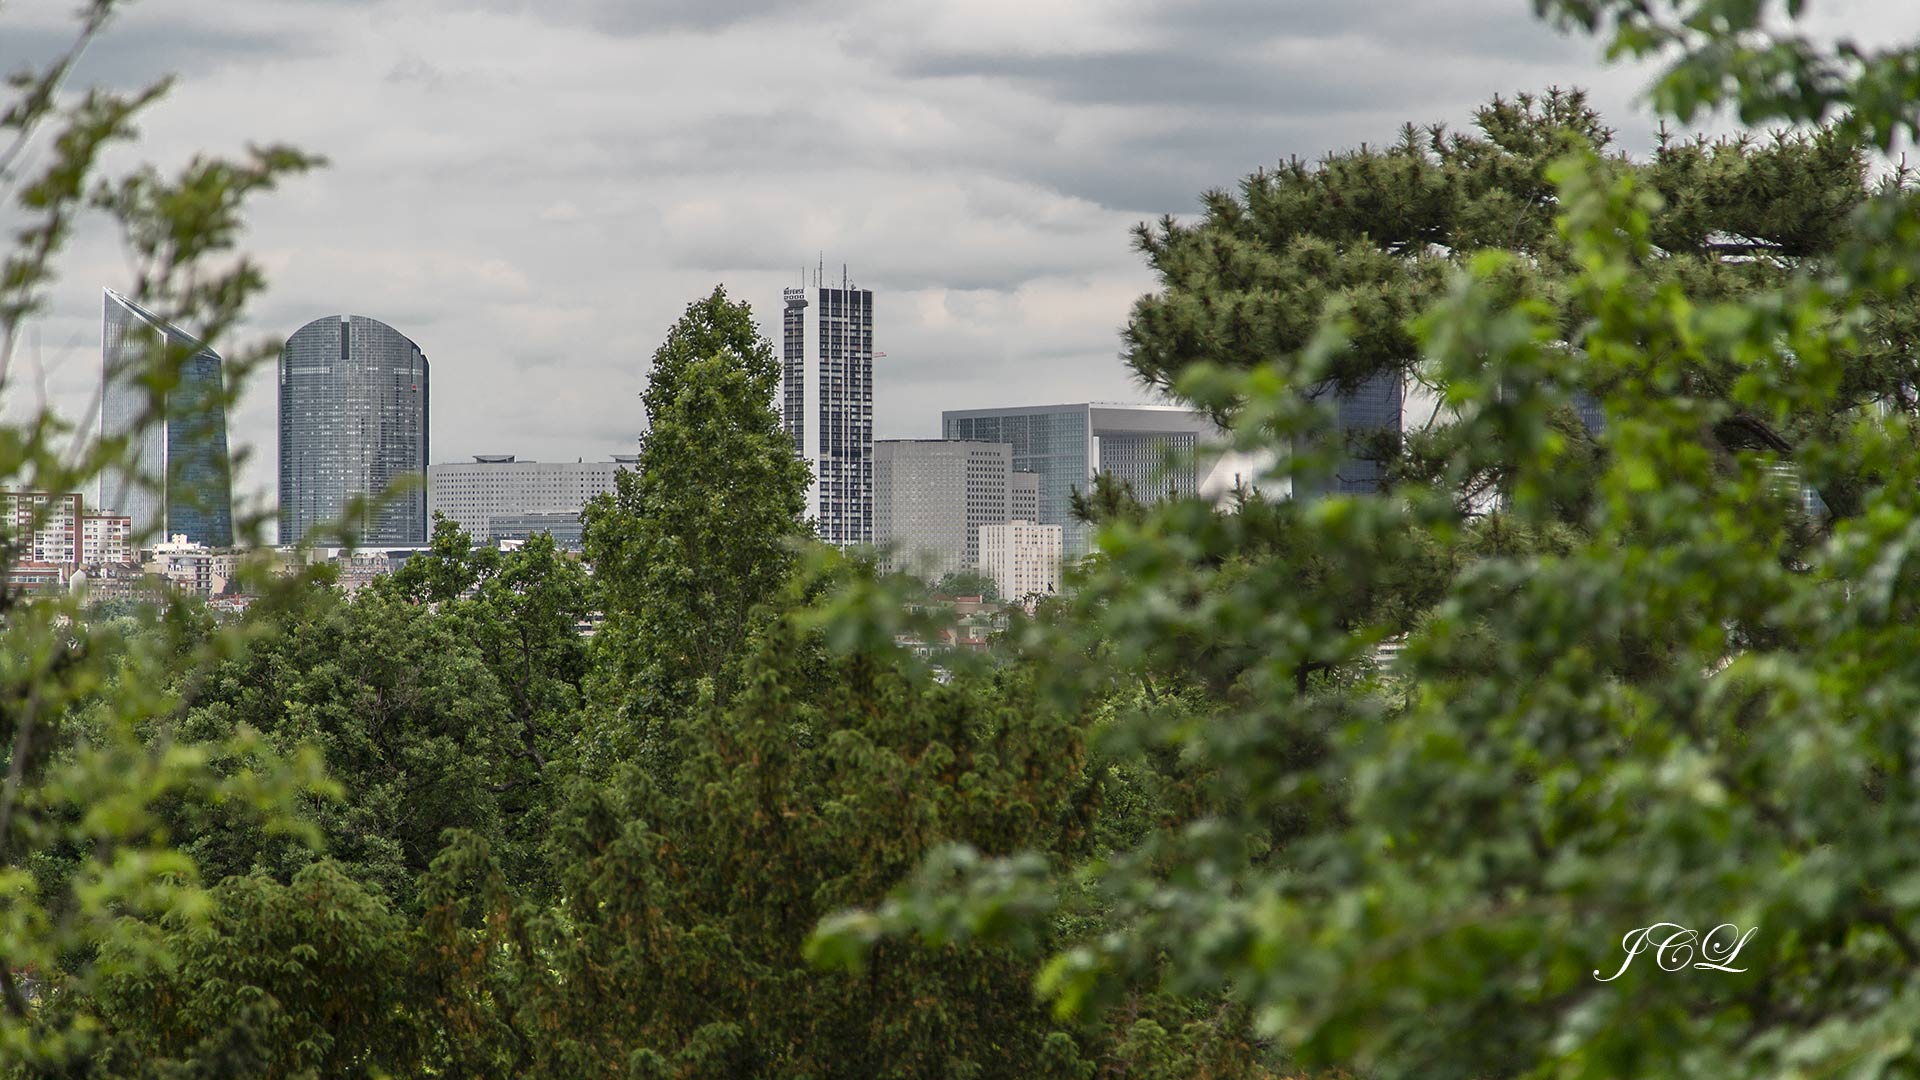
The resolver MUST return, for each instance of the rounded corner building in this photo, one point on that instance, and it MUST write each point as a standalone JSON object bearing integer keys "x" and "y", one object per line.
{"x": 353, "y": 420}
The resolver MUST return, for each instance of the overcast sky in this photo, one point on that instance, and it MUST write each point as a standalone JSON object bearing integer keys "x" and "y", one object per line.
{"x": 533, "y": 189}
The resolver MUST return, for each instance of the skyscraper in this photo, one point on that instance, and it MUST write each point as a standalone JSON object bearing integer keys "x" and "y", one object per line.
{"x": 826, "y": 403}
{"x": 1068, "y": 444}
{"x": 176, "y": 477}
{"x": 353, "y": 420}
{"x": 1023, "y": 497}
{"x": 1375, "y": 417}
{"x": 1374, "y": 410}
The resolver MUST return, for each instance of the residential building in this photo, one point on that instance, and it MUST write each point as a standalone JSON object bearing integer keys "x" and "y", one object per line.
{"x": 494, "y": 487}
{"x": 116, "y": 581}
{"x": 189, "y": 566}
{"x": 1153, "y": 448}
{"x": 1022, "y": 558}
{"x": 931, "y": 496}
{"x": 38, "y": 577}
{"x": 107, "y": 539}
{"x": 358, "y": 569}
{"x": 353, "y": 425}
{"x": 826, "y": 403}
{"x": 44, "y": 527}
{"x": 176, "y": 476}
{"x": 966, "y": 624}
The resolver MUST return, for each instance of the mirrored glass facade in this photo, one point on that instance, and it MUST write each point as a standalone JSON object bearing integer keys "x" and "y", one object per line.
{"x": 1148, "y": 446}
{"x": 1056, "y": 443}
{"x": 176, "y": 479}
{"x": 353, "y": 422}
{"x": 1369, "y": 412}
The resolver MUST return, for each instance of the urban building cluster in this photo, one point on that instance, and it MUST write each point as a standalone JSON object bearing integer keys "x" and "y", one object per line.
{"x": 992, "y": 495}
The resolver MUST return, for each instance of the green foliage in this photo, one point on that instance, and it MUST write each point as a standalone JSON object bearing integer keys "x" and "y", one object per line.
{"x": 450, "y": 569}
{"x": 685, "y": 903}
{"x": 404, "y": 709}
{"x": 703, "y": 531}
{"x": 1742, "y": 54}
{"x": 310, "y": 978}
{"x": 1423, "y": 758}
{"x": 1372, "y": 783}
{"x": 95, "y": 763}
{"x": 522, "y": 611}
{"x": 1365, "y": 241}
{"x": 967, "y": 583}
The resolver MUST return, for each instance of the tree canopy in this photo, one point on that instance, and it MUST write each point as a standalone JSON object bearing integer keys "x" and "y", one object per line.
{"x": 704, "y": 531}
{"x": 1451, "y": 752}
{"x": 1468, "y": 775}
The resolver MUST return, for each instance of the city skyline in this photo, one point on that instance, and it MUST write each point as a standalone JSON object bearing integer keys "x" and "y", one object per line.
{"x": 317, "y": 394}
{"x": 510, "y": 183}
{"x": 1150, "y": 447}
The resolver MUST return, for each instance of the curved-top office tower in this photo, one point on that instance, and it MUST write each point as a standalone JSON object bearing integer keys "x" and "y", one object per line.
{"x": 353, "y": 420}
{"x": 176, "y": 477}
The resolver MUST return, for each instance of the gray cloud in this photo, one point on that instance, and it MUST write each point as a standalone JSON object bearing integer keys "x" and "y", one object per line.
{"x": 639, "y": 17}
{"x": 1436, "y": 29}
{"x": 1133, "y": 77}
{"x": 140, "y": 51}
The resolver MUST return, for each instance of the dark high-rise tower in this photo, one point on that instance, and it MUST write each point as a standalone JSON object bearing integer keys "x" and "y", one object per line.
{"x": 353, "y": 420}
{"x": 176, "y": 477}
{"x": 1376, "y": 410}
{"x": 826, "y": 403}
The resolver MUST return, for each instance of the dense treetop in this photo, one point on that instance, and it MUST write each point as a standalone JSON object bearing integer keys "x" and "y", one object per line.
{"x": 1372, "y": 784}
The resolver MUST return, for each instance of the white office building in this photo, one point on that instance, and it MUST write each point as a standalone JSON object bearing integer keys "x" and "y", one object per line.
{"x": 931, "y": 496}
{"x": 1022, "y": 558}
{"x": 475, "y": 492}
{"x": 826, "y": 403}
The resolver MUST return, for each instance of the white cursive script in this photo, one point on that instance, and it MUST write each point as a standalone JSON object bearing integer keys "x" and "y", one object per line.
{"x": 1675, "y": 947}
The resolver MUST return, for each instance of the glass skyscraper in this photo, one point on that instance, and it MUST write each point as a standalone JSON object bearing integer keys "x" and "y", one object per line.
{"x": 1067, "y": 444}
{"x": 826, "y": 404}
{"x": 1374, "y": 417}
{"x": 1373, "y": 410}
{"x": 353, "y": 421}
{"x": 175, "y": 478}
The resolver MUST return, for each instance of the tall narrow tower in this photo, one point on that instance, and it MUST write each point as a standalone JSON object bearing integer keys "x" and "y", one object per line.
{"x": 826, "y": 403}
{"x": 353, "y": 422}
{"x": 175, "y": 477}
